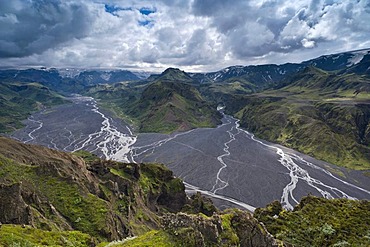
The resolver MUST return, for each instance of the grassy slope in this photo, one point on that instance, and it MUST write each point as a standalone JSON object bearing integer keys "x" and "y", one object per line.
{"x": 15, "y": 235}
{"x": 167, "y": 104}
{"x": 117, "y": 98}
{"x": 18, "y": 100}
{"x": 319, "y": 222}
{"x": 318, "y": 115}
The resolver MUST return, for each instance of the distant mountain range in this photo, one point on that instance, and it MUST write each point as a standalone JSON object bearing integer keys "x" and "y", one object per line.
{"x": 69, "y": 80}
{"x": 270, "y": 74}
{"x": 259, "y": 76}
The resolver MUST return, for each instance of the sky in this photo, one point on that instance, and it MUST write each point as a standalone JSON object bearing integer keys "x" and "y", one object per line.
{"x": 193, "y": 35}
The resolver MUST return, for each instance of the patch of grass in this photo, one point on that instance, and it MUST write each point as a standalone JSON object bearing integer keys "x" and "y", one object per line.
{"x": 15, "y": 235}
{"x": 151, "y": 238}
{"x": 86, "y": 156}
{"x": 87, "y": 212}
{"x": 228, "y": 235}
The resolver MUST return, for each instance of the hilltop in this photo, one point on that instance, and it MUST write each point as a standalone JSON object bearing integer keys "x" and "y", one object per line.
{"x": 170, "y": 102}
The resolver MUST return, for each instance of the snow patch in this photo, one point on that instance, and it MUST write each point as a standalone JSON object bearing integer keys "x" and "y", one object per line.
{"x": 357, "y": 57}
{"x": 106, "y": 76}
{"x": 281, "y": 72}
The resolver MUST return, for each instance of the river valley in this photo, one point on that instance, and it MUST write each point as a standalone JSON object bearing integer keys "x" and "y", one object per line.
{"x": 226, "y": 163}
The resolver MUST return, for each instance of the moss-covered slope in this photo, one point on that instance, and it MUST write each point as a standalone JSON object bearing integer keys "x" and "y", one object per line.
{"x": 167, "y": 106}
{"x": 169, "y": 103}
{"x": 18, "y": 100}
{"x": 319, "y": 222}
{"x": 318, "y": 113}
{"x": 51, "y": 190}
{"x": 17, "y": 235}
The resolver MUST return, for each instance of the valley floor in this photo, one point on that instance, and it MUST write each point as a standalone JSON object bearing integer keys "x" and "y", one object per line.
{"x": 226, "y": 161}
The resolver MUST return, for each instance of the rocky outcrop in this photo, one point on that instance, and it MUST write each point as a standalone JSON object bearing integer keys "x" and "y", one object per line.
{"x": 250, "y": 231}
{"x": 13, "y": 209}
{"x": 228, "y": 228}
{"x": 194, "y": 230}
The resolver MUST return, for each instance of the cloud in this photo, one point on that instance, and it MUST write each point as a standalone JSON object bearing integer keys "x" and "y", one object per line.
{"x": 191, "y": 34}
{"x": 307, "y": 43}
{"x": 29, "y": 27}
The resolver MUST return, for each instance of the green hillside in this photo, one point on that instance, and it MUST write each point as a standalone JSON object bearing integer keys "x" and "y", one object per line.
{"x": 167, "y": 106}
{"x": 169, "y": 103}
{"x": 317, "y": 113}
{"x": 18, "y": 100}
{"x": 55, "y": 191}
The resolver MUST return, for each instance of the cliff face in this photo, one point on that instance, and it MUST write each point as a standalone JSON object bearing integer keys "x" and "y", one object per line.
{"x": 53, "y": 193}
{"x": 231, "y": 228}
{"x": 59, "y": 191}
{"x": 14, "y": 210}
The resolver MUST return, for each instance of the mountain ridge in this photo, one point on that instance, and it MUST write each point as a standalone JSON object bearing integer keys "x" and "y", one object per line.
{"x": 170, "y": 104}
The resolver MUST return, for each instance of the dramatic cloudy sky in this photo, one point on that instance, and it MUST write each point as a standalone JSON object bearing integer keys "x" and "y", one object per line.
{"x": 194, "y": 35}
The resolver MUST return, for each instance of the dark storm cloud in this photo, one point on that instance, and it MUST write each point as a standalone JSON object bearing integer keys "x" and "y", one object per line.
{"x": 246, "y": 33}
{"x": 32, "y": 27}
{"x": 256, "y": 28}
